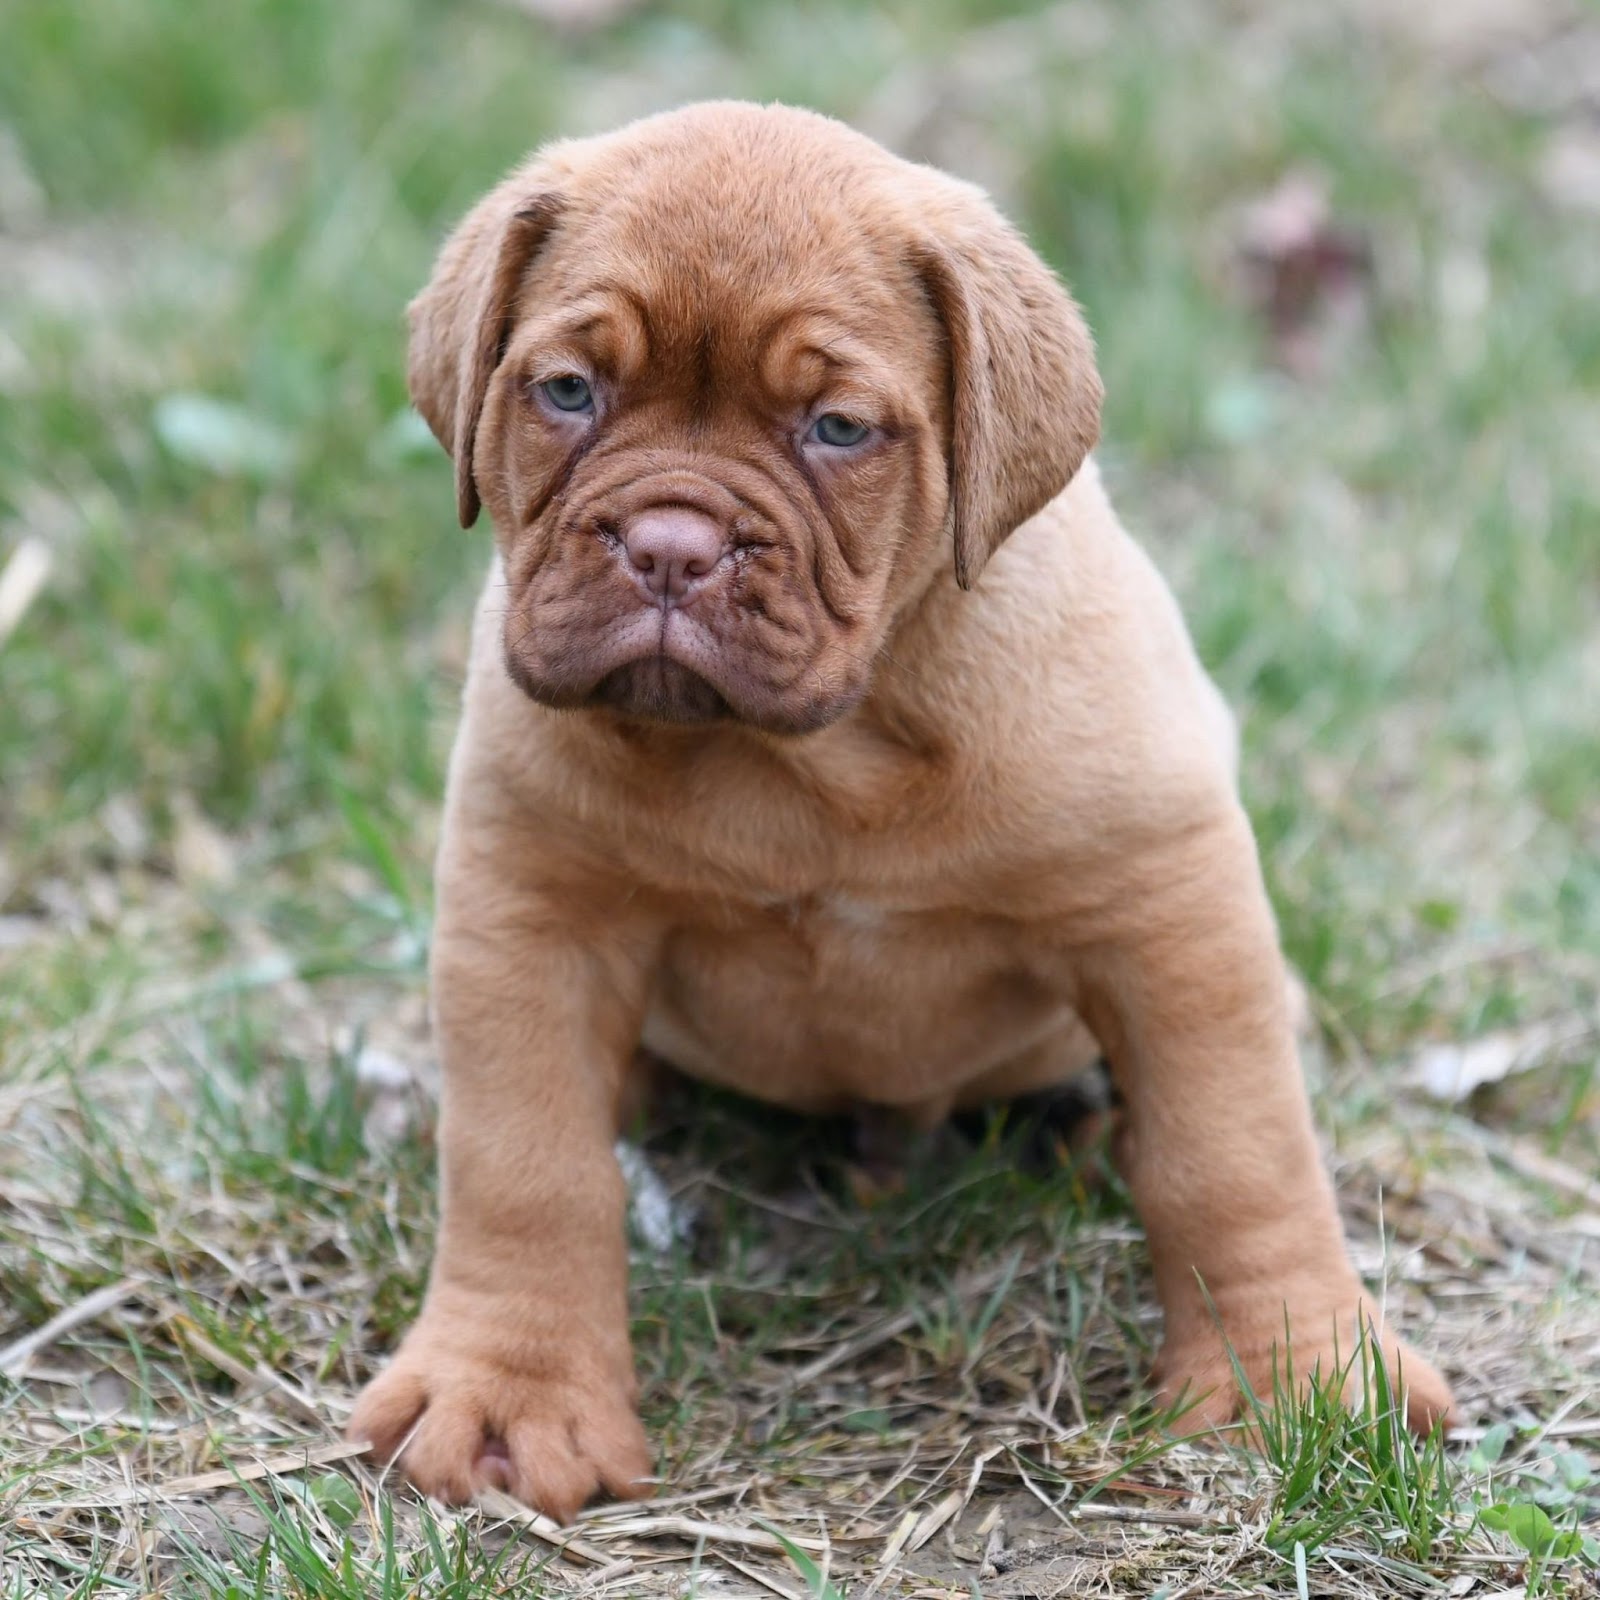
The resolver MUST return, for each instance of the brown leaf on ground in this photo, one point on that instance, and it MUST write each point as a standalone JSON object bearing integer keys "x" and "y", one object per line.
{"x": 1308, "y": 274}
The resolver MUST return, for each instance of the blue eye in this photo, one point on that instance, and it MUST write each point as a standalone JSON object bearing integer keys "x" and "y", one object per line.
{"x": 568, "y": 393}
{"x": 839, "y": 431}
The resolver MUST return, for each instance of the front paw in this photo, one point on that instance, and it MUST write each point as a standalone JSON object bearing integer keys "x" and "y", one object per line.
{"x": 464, "y": 1409}
{"x": 1201, "y": 1373}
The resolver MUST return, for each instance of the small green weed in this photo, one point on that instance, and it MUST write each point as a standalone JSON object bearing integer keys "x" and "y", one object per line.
{"x": 1546, "y": 1506}
{"x": 1344, "y": 1462}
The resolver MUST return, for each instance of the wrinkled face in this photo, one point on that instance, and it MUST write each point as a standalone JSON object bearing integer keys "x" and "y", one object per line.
{"x": 715, "y": 462}
{"x": 736, "y": 384}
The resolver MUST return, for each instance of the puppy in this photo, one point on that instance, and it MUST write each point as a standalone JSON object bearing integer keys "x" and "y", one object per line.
{"x": 825, "y": 732}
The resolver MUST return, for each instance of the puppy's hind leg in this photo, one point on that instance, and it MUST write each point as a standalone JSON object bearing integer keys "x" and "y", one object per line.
{"x": 1184, "y": 985}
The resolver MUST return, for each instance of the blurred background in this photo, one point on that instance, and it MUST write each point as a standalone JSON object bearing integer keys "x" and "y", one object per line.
{"x": 1343, "y": 263}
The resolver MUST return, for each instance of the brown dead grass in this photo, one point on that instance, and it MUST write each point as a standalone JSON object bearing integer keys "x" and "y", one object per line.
{"x": 882, "y": 1424}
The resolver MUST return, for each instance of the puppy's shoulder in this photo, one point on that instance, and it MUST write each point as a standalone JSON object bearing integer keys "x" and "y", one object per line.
{"x": 1069, "y": 675}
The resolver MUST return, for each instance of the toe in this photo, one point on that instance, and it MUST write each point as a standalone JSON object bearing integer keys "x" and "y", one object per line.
{"x": 547, "y": 1470}
{"x": 1429, "y": 1403}
{"x": 622, "y": 1454}
{"x": 1206, "y": 1398}
{"x": 386, "y": 1411}
{"x": 441, "y": 1458}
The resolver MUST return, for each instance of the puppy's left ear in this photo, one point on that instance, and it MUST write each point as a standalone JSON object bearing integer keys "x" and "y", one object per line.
{"x": 460, "y": 323}
{"x": 1024, "y": 389}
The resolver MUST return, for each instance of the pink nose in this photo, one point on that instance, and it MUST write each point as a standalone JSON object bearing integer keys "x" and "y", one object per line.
{"x": 672, "y": 548}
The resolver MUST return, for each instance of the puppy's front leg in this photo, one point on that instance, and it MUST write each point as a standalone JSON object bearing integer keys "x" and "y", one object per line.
{"x": 518, "y": 1373}
{"x": 1187, "y": 994}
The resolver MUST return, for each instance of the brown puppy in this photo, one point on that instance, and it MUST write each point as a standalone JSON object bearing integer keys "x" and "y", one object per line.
{"x": 745, "y": 773}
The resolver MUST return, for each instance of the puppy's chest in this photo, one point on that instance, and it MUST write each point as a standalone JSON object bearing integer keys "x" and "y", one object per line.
{"x": 835, "y": 937}
{"x": 826, "y": 997}
{"x": 841, "y": 831}
{"x": 828, "y": 927}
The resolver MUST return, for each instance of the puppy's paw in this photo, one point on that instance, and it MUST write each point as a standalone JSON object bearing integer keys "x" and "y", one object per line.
{"x": 545, "y": 1424}
{"x": 1195, "y": 1371}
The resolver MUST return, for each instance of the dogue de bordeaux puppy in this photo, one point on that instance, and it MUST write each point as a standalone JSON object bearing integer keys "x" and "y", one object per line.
{"x": 825, "y": 733}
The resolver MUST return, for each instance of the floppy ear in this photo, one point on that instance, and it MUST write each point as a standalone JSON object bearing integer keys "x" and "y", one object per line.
{"x": 1024, "y": 390}
{"x": 460, "y": 323}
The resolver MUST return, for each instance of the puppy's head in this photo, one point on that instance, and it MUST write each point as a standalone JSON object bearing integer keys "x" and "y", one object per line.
{"x": 734, "y": 382}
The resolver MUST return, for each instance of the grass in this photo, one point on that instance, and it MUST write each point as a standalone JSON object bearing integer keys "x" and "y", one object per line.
{"x": 223, "y": 724}
{"x": 1343, "y": 1460}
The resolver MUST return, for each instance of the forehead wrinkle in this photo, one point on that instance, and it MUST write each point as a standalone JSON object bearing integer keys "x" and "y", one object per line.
{"x": 815, "y": 360}
{"x": 633, "y": 310}
{"x": 822, "y": 328}
{"x": 608, "y": 322}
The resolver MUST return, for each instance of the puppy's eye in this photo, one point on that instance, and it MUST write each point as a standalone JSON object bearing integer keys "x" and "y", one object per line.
{"x": 568, "y": 393}
{"x": 838, "y": 430}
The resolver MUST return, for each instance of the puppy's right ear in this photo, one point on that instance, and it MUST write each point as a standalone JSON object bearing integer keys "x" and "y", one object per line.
{"x": 460, "y": 323}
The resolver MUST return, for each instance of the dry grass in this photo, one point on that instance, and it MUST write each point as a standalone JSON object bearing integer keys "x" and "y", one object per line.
{"x": 228, "y": 651}
{"x": 925, "y": 1391}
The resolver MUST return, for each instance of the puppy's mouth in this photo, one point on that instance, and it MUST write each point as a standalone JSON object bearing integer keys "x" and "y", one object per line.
{"x": 666, "y": 665}
{"x": 659, "y": 689}
{"x": 641, "y": 672}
